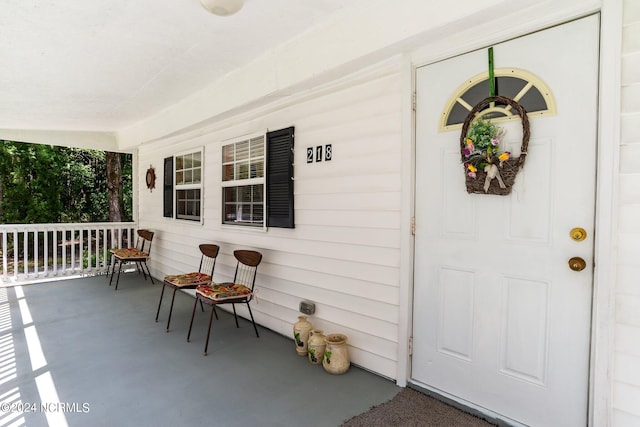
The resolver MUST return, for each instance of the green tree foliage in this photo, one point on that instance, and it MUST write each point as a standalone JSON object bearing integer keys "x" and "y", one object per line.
{"x": 47, "y": 184}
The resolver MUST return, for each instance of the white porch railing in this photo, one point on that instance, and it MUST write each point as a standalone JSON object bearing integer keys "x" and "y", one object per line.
{"x": 31, "y": 252}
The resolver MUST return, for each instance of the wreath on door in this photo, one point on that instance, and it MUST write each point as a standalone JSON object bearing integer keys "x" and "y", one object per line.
{"x": 488, "y": 169}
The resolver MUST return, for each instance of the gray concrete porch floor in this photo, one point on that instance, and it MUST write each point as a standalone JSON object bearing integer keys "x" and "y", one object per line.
{"x": 111, "y": 365}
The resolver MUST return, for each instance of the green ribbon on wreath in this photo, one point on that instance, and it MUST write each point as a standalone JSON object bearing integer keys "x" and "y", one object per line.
{"x": 492, "y": 80}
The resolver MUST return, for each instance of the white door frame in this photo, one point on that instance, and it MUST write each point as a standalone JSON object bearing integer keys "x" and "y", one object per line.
{"x": 609, "y": 115}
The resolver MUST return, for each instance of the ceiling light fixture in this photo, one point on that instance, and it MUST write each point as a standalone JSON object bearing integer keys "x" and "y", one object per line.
{"x": 222, "y": 7}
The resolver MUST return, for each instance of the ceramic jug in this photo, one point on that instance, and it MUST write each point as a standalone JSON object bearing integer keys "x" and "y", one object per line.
{"x": 316, "y": 346}
{"x": 301, "y": 335}
{"x": 336, "y": 354}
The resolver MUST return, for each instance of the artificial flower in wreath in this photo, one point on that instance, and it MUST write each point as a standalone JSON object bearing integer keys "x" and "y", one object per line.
{"x": 482, "y": 151}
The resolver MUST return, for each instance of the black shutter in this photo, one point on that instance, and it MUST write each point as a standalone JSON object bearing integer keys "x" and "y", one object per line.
{"x": 280, "y": 178}
{"x": 167, "y": 187}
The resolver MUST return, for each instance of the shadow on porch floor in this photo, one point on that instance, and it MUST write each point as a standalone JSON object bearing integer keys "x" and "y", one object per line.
{"x": 78, "y": 353}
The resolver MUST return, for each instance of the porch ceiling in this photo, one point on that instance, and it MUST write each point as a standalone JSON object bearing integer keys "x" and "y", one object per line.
{"x": 103, "y": 65}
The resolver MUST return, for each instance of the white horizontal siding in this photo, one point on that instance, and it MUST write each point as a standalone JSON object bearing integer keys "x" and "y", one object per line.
{"x": 344, "y": 253}
{"x": 626, "y": 375}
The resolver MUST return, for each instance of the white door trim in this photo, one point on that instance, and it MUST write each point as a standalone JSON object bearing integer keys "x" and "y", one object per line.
{"x": 606, "y": 225}
{"x": 407, "y": 210}
{"x": 603, "y": 318}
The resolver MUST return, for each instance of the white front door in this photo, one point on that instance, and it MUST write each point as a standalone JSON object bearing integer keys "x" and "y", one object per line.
{"x": 500, "y": 321}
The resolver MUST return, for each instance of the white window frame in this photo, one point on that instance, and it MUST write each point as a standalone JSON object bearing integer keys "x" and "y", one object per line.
{"x": 235, "y": 183}
{"x": 178, "y": 187}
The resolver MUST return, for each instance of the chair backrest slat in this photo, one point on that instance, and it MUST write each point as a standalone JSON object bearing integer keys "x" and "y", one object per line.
{"x": 247, "y": 267}
{"x": 143, "y": 241}
{"x": 208, "y": 259}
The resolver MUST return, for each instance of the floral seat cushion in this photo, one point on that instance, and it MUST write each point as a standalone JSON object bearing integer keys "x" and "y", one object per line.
{"x": 127, "y": 253}
{"x": 223, "y": 291}
{"x": 188, "y": 279}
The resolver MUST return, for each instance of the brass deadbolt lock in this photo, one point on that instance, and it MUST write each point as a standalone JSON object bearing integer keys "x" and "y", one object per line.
{"x": 578, "y": 234}
{"x": 577, "y": 264}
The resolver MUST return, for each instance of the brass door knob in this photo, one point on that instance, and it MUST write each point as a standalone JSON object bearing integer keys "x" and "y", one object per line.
{"x": 577, "y": 264}
{"x": 578, "y": 234}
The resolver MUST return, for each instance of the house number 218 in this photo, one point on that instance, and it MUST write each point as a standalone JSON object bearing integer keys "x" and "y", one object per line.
{"x": 321, "y": 152}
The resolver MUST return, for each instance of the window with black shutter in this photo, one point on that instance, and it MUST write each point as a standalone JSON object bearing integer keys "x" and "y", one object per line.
{"x": 182, "y": 186}
{"x": 257, "y": 180}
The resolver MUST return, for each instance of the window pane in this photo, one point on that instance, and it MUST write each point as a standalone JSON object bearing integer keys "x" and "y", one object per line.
{"x": 258, "y": 213}
{"x": 197, "y": 159}
{"x": 230, "y": 195}
{"x": 257, "y": 193}
{"x": 188, "y": 176}
{"x": 196, "y": 176}
{"x": 533, "y": 101}
{"x": 243, "y": 171}
{"x": 476, "y": 93}
{"x": 188, "y": 161}
{"x": 227, "y": 172}
{"x": 245, "y": 193}
{"x": 227, "y": 153}
{"x": 257, "y": 169}
{"x": 179, "y": 162}
{"x": 257, "y": 147}
{"x": 179, "y": 178}
{"x": 230, "y": 213}
{"x": 242, "y": 213}
{"x": 242, "y": 150}
{"x": 458, "y": 115}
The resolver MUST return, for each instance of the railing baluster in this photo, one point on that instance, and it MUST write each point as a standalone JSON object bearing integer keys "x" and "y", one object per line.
{"x": 94, "y": 245}
{"x": 45, "y": 254}
{"x": 72, "y": 251}
{"x": 55, "y": 252}
{"x": 89, "y": 248}
{"x": 81, "y": 247}
{"x": 16, "y": 260}
{"x": 63, "y": 242}
{"x": 4, "y": 255}
{"x": 5, "y": 264}
{"x": 36, "y": 258}
{"x": 105, "y": 261}
{"x": 25, "y": 251}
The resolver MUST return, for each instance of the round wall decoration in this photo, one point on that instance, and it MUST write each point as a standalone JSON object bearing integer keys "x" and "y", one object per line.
{"x": 151, "y": 178}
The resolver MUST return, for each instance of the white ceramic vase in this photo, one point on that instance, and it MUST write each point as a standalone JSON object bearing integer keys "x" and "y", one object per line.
{"x": 336, "y": 354}
{"x": 316, "y": 346}
{"x": 301, "y": 335}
